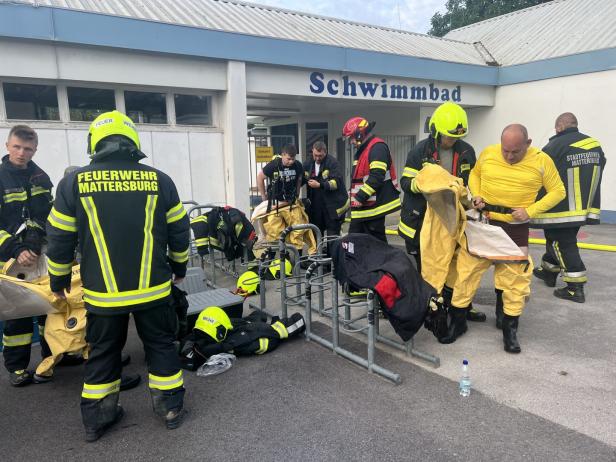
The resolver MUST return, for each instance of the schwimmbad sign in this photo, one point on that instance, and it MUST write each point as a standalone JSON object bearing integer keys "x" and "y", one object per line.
{"x": 318, "y": 83}
{"x": 382, "y": 89}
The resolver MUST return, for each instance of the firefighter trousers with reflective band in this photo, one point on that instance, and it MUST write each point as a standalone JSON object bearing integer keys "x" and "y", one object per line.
{"x": 17, "y": 342}
{"x": 276, "y": 222}
{"x": 374, "y": 227}
{"x": 107, "y": 336}
{"x": 512, "y": 278}
{"x": 562, "y": 254}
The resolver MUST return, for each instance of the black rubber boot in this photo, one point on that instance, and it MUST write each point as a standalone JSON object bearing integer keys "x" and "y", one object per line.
{"x": 20, "y": 378}
{"x": 447, "y": 294}
{"x": 129, "y": 381}
{"x": 175, "y": 418}
{"x": 169, "y": 405}
{"x": 573, "y": 291}
{"x": 475, "y": 315}
{"x": 510, "y": 334}
{"x": 546, "y": 276}
{"x": 39, "y": 379}
{"x": 94, "y": 434}
{"x": 472, "y": 315}
{"x": 70, "y": 360}
{"x": 457, "y": 324}
{"x": 499, "y": 308}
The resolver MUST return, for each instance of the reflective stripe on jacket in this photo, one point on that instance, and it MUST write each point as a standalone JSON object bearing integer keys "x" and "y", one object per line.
{"x": 132, "y": 231}
{"x": 580, "y": 162}
{"x": 374, "y": 186}
{"x": 25, "y": 194}
{"x": 414, "y": 203}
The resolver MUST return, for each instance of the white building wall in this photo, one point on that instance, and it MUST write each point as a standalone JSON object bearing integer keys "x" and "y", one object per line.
{"x": 591, "y": 97}
{"x": 192, "y": 160}
{"x": 51, "y": 61}
{"x": 191, "y": 156}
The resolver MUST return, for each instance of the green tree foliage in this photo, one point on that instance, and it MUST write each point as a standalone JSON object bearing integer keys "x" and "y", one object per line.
{"x": 464, "y": 12}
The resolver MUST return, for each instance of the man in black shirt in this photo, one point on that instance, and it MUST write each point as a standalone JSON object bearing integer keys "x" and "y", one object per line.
{"x": 285, "y": 175}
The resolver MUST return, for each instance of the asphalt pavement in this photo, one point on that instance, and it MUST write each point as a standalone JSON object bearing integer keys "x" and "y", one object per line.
{"x": 556, "y": 401}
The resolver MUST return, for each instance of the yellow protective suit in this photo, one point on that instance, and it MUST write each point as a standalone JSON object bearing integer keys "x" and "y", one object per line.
{"x": 512, "y": 278}
{"x": 65, "y": 327}
{"x": 271, "y": 225}
{"x": 443, "y": 224}
{"x": 516, "y": 185}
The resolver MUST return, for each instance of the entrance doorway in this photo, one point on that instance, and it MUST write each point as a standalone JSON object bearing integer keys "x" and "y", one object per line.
{"x": 261, "y": 150}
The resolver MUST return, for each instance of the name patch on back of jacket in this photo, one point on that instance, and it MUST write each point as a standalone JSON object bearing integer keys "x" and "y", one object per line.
{"x": 584, "y": 158}
{"x": 117, "y": 181}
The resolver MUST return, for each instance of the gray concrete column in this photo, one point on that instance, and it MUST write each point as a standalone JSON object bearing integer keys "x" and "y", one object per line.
{"x": 235, "y": 143}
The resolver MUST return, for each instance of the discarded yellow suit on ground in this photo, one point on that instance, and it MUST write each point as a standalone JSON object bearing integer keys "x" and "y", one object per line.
{"x": 65, "y": 326}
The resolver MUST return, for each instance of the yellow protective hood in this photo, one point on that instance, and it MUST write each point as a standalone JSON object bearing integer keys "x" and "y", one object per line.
{"x": 446, "y": 195}
{"x": 443, "y": 223}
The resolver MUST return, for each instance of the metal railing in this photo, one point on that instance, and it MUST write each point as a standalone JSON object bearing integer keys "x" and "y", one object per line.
{"x": 372, "y": 314}
{"x": 293, "y": 291}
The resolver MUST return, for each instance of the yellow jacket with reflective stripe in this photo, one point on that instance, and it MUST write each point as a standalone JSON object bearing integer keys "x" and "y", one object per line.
{"x": 517, "y": 185}
{"x": 580, "y": 162}
{"x": 131, "y": 229}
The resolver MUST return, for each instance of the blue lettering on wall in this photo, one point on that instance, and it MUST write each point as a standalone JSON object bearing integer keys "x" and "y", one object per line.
{"x": 455, "y": 94}
{"x": 368, "y": 88}
{"x": 332, "y": 87}
{"x": 349, "y": 87}
{"x": 316, "y": 80}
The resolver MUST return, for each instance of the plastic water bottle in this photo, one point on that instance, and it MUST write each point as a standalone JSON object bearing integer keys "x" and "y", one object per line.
{"x": 465, "y": 380}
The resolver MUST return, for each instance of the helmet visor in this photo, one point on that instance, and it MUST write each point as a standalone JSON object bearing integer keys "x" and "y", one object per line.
{"x": 458, "y": 131}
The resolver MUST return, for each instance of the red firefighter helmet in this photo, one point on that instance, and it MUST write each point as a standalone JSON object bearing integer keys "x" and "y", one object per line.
{"x": 357, "y": 128}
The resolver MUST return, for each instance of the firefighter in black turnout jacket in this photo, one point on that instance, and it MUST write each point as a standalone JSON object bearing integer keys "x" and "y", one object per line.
{"x": 580, "y": 162}
{"x": 25, "y": 202}
{"x": 445, "y": 147}
{"x": 374, "y": 187}
{"x": 133, "y": 237}
{"x": 226, "y": 229}
{"x": 215, "y": 333}
{"x": 328, "y": 196}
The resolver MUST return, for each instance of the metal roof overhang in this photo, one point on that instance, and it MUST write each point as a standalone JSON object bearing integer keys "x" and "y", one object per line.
{"x": 94, "y": 29}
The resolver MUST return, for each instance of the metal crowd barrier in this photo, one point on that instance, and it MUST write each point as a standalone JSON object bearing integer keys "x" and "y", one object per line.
{"x": 293, "y": 289}
{"x": 264, "y": 263}
{"x": 407, "y": 347}
{"x": 296, "y": 280}
{"x": 217, "y": 259}
{"x": 372, "y": 315}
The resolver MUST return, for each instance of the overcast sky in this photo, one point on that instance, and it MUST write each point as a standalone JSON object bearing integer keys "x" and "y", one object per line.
{"x": 412, "y": 15}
